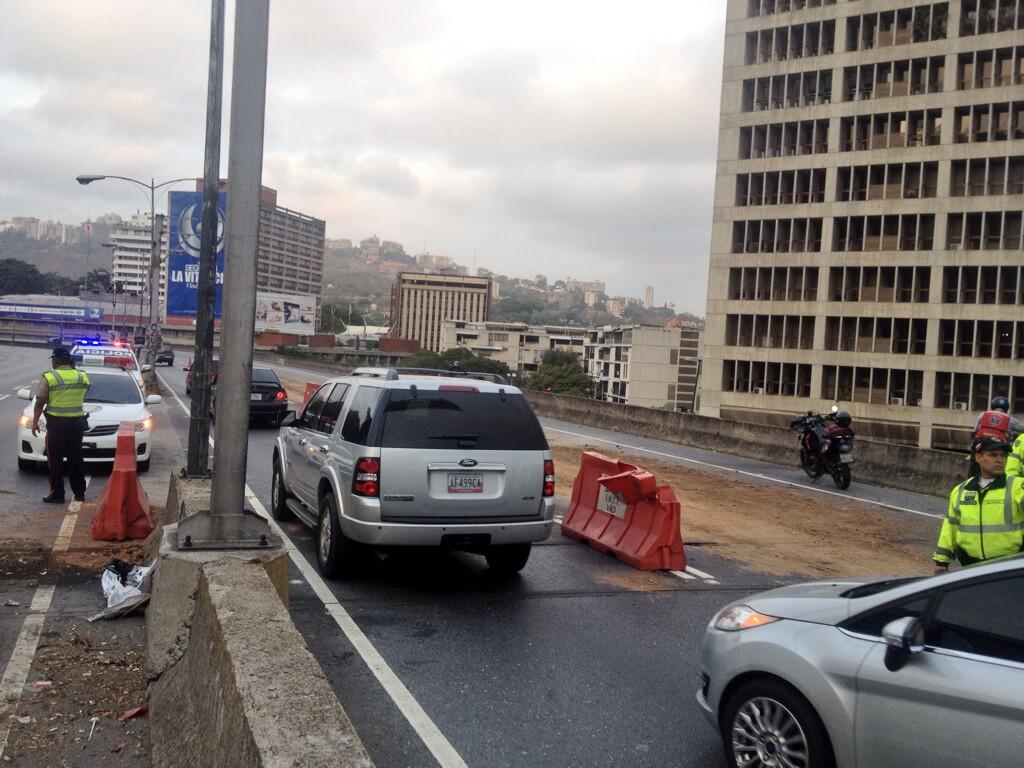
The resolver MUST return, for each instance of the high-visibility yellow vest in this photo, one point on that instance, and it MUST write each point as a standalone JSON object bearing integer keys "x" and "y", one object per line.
{"x": 983, "y": 523}
{"x": 1013, "y": 462}
{"x": 66, "y": 389}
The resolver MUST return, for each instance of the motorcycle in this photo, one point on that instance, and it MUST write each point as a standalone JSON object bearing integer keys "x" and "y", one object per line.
{"x": 826, "y": 445}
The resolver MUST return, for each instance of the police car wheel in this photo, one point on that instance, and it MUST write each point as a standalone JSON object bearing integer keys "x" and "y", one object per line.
{"x": 26, "y": 465}
{"x": 143, "y": 466}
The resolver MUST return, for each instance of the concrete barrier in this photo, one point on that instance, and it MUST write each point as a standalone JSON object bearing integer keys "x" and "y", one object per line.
{"x": 897, "y": 466}
{"x": 246, "y": 692}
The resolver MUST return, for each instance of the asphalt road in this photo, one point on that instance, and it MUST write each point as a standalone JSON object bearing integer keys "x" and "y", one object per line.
{"x": 579, "y": 661}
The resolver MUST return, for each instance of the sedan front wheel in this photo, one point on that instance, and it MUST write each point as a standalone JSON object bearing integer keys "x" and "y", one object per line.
{"x": 767, "y": 724}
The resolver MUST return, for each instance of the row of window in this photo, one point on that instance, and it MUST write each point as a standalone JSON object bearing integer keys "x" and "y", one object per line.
{"x": 776, "y": 236}
{"x": 804, "y": 137}
{"x": 881, "y": 386}
{"x": 989, "y": 122}
{"x": 989, "y": 69}
{"x": 1000, "y": 339}
{"x": 883, "y": 79}
{"x": 773, "y": 283}
{"x": 890, "y": 335}
{"x": 770, "y": 331}
{"x": 994, "y": 230}
{"x": 982, "y": 17}
{"x": 900, "y": 285}
{"x": 889, "y": 130}
{"x": 799, "y": 89}
{"x": 983, "y": 285}
{"x": 769, "y": 7}
{"x": 974, "y": 391}
{"x": 896, "y": 232}
{"x": 765, "y": 378}
{"x": 892, "y": 181}
{"x": 919, "y": 24}
{"x": 797, "y": 41}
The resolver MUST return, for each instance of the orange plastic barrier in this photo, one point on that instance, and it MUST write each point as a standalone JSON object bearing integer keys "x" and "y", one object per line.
{"x": 620, "y": 508}
{"x": 123, "y": 507}
{"x": 311, "y": 387}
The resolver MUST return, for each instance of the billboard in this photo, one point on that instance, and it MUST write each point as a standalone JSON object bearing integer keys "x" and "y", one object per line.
{"x": 184, "y": 234}
{"x": 285, "y": 313}
{"x": 50, "y": 312}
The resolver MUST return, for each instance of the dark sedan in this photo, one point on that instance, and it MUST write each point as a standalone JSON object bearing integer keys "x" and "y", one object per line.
{"x": 267, "y": 398}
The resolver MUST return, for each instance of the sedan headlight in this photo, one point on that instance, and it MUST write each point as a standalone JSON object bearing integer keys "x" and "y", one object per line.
{"x": 738, "y": 617}
{"x": 26, "y": 421}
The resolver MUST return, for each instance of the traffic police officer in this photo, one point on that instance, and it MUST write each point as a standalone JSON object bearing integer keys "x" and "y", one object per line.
{"x": 986, "y": 512}
{"x": 62, "y": 391}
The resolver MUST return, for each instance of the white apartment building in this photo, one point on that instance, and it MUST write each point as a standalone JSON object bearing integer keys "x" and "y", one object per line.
{"x": 130, "y": 257}
{"x": 645, "y": 365}
{"x": 520, "y": 346}
{"x": 866, "y": 240}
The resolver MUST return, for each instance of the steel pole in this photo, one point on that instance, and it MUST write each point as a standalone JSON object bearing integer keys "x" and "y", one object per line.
{"x": 228, "y": 525}
{"x": 154, "y": 259}
{"x": 199, "y": 419}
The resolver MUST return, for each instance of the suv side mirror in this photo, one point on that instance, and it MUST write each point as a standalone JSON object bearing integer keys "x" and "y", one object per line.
{"x": 288, "y": 419}
{"x": 903, "y": 638}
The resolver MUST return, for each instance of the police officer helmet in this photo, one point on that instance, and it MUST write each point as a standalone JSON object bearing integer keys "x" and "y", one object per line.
{"x": 1000, "y": 404}
{"x": 842, "y": 418}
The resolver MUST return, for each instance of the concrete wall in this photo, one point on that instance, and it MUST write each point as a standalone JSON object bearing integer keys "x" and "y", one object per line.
{"x": 898, "y": 466}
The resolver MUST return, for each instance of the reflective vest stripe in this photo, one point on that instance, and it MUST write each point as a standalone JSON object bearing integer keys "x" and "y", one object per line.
{"x": 1008, "y": 501}
{"x": 992, "y": 528}
{"x": 944, "y": 551}
{"x": 66, "y": 391}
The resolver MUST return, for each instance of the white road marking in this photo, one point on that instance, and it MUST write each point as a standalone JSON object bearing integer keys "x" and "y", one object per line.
{"x": 683, "y": 575}
{"x": 16, "y": 674}
{"x": 701, "y": 574}
{"x": 429, "y": 733}
{"x": 758, "y": 475}
{"x": 4, "y": 397}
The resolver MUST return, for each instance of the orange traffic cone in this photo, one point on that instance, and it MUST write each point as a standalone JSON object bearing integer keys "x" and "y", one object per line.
{"x": 123, "y": 507}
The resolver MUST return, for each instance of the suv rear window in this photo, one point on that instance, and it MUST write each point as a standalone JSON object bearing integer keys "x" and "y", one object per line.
{"x": 443, "y": 420}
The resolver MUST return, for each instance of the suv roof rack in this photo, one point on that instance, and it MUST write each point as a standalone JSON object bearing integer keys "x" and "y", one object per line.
{"x": 494, "y": 378}
{"x": 376, "y": 373}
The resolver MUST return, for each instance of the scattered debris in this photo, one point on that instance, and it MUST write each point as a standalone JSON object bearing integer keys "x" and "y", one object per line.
{"x": 24, "y": 720}
{"x": 11, "y": 603}
{"x": 134, "y": 712}
{"x": 42, "y": 685}
{"x": 92, "y": 730}
{"x": 126, "y": 588}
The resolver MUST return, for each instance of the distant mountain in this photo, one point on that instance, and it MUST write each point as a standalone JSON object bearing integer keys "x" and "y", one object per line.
{"x": 71, "y": 260}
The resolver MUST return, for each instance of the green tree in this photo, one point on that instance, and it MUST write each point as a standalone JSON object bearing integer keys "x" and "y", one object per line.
{"x": 560, "y": 357}
{"x": 565, "y": 379}
{"x": 17, "y": 276}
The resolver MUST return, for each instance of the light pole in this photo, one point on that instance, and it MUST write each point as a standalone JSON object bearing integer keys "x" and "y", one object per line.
{"x": 154, "y": 255}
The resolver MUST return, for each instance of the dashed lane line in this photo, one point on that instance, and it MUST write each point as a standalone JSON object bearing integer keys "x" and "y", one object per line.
{"x": 15, "y": 676}
{"x": 758, "y": 475}
{"x": 426, "y": 729}
{"x": 4, "y": 397}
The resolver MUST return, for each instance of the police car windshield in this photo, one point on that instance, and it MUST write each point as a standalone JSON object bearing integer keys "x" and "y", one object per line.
{"x": 121, "y": 390}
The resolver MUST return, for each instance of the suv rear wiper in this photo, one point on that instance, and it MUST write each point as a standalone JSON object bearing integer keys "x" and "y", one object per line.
{"x": 453, "y": 437}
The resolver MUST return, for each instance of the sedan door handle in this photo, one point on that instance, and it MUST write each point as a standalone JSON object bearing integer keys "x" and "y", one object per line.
{"x": 302, "y": 441}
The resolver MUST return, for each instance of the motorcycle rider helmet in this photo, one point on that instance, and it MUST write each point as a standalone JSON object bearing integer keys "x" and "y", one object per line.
{"x": 842, "y": 418}
{"x": 1000, "y": 404}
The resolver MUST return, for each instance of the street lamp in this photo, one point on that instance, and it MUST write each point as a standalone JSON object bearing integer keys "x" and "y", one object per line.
{"x": 154, "y": 258}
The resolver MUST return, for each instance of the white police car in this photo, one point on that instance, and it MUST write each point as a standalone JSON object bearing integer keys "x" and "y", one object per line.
{"x": 114, "y": 396}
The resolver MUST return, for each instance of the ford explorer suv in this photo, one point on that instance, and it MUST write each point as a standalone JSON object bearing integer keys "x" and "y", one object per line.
{"x": 385, "y": 458}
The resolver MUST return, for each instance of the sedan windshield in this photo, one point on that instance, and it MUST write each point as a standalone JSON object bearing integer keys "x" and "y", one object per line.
{"x": 113, "y": 389}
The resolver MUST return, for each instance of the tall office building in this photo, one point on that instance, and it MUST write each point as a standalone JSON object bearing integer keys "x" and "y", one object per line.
{"x": 130, "y": 243}
{"x": 866, "y": 243}
{"x": 420, "y": 303}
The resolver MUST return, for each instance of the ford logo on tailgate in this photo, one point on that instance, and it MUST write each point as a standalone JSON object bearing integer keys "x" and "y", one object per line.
{"x": 468, "y": 463}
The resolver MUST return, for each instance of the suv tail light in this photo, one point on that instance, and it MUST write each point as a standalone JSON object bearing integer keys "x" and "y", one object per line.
{"x": 549, "y": 478}
{"x": 366, "y": 481}
{"x": 280, "y": 395}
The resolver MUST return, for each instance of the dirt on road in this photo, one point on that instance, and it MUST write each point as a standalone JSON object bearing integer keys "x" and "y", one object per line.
{"x": 773, "y": 529}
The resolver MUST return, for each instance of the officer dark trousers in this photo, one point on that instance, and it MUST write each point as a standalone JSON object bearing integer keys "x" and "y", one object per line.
{"x": 64, "y": 441}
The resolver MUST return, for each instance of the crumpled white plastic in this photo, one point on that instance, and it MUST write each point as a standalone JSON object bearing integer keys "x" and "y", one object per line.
{"x": 124, "y": 598}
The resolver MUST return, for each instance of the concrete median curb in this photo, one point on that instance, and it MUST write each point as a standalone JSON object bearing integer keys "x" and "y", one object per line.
{"x": 245, "y": 690}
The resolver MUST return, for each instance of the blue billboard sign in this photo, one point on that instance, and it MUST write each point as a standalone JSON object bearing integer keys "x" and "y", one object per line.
{"x": 184, "y": 234}
{"x": 50, "y": 312}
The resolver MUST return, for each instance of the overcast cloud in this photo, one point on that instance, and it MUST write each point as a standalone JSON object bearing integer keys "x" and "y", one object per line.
{"x": 561, "y": 137}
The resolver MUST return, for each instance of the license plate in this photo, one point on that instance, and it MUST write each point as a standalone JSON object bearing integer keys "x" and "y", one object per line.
{"x": 845, "y": 458}
{"x": 255, "y": 396}
{"x": 610, "y": 503}
{"x": 461, "y": 483}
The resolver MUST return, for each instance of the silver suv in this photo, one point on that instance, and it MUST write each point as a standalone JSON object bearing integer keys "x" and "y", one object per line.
{"x": 390, "y": 458}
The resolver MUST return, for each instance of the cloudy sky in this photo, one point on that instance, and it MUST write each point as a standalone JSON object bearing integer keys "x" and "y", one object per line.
{"x": 565, "y": 137}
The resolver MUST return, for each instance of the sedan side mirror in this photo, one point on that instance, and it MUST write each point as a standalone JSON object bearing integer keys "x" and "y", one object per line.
{"x": 154, "y": 399}
{"x": 24, "y": 393}
{"x": 903, "y": 638}
{"x": 288, "y": 419}
{"x": 147, "y": 368}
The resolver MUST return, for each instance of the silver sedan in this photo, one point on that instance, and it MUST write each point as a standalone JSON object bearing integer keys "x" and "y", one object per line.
{"x": 898, "y": 672}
